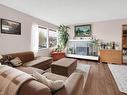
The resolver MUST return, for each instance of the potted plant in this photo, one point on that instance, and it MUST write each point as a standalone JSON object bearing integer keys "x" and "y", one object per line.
{"x": 63, "y": 36}
{"x": 95, "y": 46}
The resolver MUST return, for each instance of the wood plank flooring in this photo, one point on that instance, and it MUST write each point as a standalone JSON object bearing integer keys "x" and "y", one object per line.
{"x": 100, "y": 80}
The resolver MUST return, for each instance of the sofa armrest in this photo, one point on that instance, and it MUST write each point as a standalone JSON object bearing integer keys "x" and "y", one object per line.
{"x": 73, "y": 85}
{"x": 33, "y": 87}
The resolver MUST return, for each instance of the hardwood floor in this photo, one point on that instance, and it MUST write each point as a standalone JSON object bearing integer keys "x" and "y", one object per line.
{"x": 100, "y": 80}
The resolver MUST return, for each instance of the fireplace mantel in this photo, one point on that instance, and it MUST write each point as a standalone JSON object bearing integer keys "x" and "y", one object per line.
{"x": 79, "y": 40}
{"x": 81, "y": 48}
{"x": 82, "y": 57}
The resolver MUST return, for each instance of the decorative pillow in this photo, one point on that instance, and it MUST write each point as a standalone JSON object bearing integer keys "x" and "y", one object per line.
{"x": 5, "y": 60}
{"x": 16, "y": 62}
{"x": 53, "y": 85}
{"x": 1, "y": 56}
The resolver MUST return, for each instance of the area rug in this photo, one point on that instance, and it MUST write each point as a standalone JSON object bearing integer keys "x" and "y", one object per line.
{"x": 83, "y": 68}
{"x": 119, "y": 73}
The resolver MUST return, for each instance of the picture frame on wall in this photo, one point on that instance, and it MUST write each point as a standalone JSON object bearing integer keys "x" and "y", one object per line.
{"x": 10, "y": 27}
{"x": 83, "y": 30}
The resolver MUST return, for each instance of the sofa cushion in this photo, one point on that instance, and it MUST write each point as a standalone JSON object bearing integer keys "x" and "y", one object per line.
{"x": 34, "y": 87}
{"x": 53, "y": 85}
{"x": 30, "y": 70}
{"x": 73, "y": 85}
{"x": 40, "y": 62}
{"x": 54, "y": 77}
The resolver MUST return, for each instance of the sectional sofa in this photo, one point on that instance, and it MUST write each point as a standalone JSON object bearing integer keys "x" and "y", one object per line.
{"x": 73, "y": 85}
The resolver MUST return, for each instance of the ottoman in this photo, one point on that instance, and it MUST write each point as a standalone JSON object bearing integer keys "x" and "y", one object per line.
{"x": 64, "y": 66}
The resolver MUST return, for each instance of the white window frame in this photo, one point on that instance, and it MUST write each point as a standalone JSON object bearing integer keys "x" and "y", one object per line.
{"x": 54, "y": 31}
{"x": 47, "y": 43}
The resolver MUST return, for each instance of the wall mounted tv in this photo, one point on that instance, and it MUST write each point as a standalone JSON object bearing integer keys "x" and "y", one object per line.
{"x": 83, "y": 30}
{"x": 10, "y": 27}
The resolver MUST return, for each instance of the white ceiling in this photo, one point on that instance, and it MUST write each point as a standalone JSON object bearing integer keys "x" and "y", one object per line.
{"x": 71, "y": 11}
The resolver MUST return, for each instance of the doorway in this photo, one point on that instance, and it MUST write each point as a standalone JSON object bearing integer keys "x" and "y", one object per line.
{"x": 124, "y": 43}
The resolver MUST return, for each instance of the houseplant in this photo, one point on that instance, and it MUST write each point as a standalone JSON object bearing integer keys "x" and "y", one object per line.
{"x": 63, "y": 36}
{"x": 95, "y": 46}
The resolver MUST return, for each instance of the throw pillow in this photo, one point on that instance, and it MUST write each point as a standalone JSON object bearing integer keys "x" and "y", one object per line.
{"x": 5, "y": 60}
{"x": 16, "y": 62}
{"x": 53, "y": 85}
{"x": 1, "y": 56}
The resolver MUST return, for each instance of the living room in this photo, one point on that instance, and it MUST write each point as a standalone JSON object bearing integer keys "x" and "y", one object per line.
{"x": 105, "y": 43}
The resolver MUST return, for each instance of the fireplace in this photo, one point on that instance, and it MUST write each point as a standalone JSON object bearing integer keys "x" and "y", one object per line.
{"x": 82, "y": 50}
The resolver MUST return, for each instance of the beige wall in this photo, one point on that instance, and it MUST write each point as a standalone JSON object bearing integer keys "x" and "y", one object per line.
{"x": 24, "y": 42}
{"x": 105, "y": 30}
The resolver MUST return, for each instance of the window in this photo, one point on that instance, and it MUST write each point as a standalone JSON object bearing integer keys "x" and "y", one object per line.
{"x": 47, "y": 37}
{"x": 52, "y": 38}
{"x": 42, "y": 37}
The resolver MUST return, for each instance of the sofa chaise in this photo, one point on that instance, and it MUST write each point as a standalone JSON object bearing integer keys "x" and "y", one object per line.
{"x": 29, "y": 60}
{"x": 73, "y": 85}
